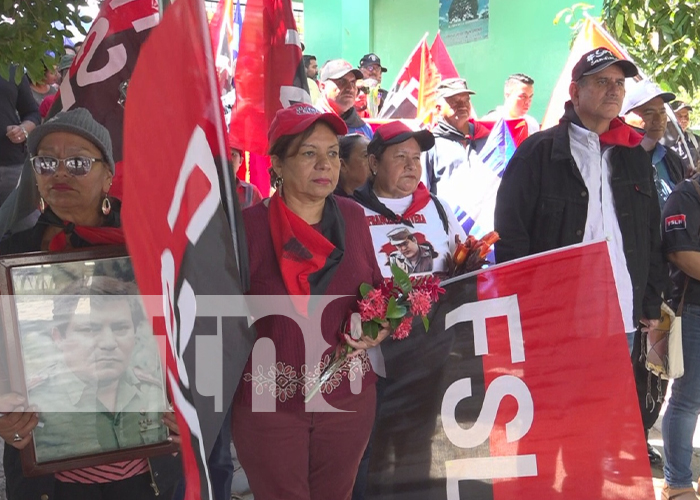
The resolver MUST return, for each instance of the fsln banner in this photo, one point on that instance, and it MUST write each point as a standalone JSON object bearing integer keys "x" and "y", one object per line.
{"x": 522, "y": 388}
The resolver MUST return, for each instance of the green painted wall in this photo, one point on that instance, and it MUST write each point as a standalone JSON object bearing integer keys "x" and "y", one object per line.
{"x": 521, "y": 38}
{"x": 337, "y": 29}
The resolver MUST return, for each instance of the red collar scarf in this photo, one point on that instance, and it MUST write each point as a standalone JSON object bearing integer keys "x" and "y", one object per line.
{"x": 421, "y": 198}
{"x": 92, "y": 235}
{"x": 307, "y": 258}
{"x": 110, "y": 234}
{"x": 620, "y": 134}
{"x": 366, "y": 197}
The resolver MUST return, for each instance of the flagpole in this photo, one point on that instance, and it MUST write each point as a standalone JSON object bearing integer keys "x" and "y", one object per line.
{"x": 218, "y": 120}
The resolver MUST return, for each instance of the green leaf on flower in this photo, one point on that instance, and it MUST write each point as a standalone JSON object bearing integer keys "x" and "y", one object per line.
{"x": 394, "y": 310}
{"x": 365, "y": 288}
{"x": 426, "y": 323}
{"x": 370, "y": 329}
{"x": 394, "y": 323}
{"x": 401, "y": 278}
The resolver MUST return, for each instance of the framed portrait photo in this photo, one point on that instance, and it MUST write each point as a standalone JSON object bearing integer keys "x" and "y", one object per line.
{"x": 78, "y": 345}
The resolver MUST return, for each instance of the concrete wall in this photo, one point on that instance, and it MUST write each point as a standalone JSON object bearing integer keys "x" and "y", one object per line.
{"x": 337, "y": 29}
{"x": 521, "y": 38}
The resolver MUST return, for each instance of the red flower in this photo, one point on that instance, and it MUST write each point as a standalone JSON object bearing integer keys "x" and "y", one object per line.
{"x": 372, "y": 306}
{"x": 420, "y": 302}
{"x": 403, "y": 330}
{"x": 430, "y": 285}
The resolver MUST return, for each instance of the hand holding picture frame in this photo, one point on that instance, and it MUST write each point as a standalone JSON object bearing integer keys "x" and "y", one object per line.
{"x": 77, "y": 344}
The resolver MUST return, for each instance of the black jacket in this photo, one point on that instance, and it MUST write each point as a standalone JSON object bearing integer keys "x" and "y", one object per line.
{"x": 674, "y": 164}
{"x": 542, "y": 204}
{"x": 17, "y": 104}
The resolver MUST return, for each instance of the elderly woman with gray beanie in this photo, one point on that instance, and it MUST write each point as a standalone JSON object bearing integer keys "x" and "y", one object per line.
{"x": 71, "y": 156}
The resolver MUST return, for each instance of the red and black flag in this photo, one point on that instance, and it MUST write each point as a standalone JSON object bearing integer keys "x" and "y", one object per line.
{"x": 97, "y": 80}
{"x": 99, "y": 76}
{"x": 180, "y": 220}
{"x": 522, "y": 388}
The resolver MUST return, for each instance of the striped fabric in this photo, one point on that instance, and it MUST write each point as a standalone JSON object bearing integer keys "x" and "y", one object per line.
{"x": 104, "y": 473}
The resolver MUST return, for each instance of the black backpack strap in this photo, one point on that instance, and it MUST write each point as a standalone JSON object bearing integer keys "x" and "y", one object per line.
{"x": 441, "y": 213}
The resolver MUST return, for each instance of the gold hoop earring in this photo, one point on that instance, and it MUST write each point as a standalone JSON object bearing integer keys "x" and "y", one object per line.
{"x": 106, "y": 206}
{"x": 42, "y": 205}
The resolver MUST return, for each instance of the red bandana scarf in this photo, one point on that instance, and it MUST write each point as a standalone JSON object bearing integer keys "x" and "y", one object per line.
{"x": 306, "y": 257}
{"x": 620, "y": 134}
{"x": 109, "y": 234}
{"x": 92, "y": 235}
{"x": 421, "y": 198}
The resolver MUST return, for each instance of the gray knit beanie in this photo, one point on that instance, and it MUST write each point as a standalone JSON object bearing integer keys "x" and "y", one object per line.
{"x": 77, "y": 121}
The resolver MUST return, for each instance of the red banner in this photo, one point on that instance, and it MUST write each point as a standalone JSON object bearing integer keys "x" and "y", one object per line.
{"x": 522, "y": 389}
{"x": 178, "y": 234}
{"x": 268, "y": 59}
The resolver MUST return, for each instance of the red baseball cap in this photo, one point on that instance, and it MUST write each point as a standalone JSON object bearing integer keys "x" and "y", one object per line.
{"x": 397, "y": 132}
{"x": 298, "y": 117}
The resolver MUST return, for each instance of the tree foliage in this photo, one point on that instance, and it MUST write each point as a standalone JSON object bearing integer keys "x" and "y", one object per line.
{"x": 463, "y": 10}
{"x": 662, "y": 36}
{"x": 28, "y": 32}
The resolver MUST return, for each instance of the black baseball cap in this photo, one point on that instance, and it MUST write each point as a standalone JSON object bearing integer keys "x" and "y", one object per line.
{"x": 597, "y": 60}
{"x": 369, "y": 59}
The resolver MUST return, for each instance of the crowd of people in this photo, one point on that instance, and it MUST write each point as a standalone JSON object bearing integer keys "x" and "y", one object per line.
{"x": 349, "y": 203}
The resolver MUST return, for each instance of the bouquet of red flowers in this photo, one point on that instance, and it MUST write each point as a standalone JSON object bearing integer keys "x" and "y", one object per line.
{"x": 470, "y": 255}
{"x": 396, "y": 302}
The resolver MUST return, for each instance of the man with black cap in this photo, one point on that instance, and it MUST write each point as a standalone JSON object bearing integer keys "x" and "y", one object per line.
{"x": 338, "y": 83}
{"x": 372, "y": 71}
{"x": 692, "y": 162}
{"x": 458, "y": 137}
{"x": 588, "y": 179}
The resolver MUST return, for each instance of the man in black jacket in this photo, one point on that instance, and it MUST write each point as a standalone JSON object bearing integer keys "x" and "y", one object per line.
{"x": 589, "y": 179}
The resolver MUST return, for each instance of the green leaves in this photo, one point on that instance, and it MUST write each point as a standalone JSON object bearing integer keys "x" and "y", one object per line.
{"x": 401, "y": 278}
{"x": 662, "y": 36}
{"x": 370, "y": 329}
{"x": 365, "y": 288}
{"x": 27, "y": 34}
{"x": 394, "y": 310}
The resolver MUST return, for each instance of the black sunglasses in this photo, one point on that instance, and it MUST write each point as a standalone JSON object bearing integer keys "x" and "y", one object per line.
{"x": 75, "y": 165}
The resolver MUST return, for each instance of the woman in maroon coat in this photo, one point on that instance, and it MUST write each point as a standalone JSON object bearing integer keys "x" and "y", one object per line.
{"x": 306, "y": 247}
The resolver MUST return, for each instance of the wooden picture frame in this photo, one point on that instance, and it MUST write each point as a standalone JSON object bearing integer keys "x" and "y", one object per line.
{"x": 77, "y": 344}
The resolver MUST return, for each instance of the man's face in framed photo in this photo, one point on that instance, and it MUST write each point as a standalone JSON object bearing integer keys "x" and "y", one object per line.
{"x": 98, "y": 341}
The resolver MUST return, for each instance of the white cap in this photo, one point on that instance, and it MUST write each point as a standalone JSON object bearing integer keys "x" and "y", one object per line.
{"x": 639, "y": 93}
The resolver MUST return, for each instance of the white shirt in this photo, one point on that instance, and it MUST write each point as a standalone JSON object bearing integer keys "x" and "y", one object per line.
{"x": 429, "y": 232}
{"x": 601, "y": 222}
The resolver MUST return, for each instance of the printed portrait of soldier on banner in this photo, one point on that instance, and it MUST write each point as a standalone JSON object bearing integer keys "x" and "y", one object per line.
{"x": 81, "y": 350}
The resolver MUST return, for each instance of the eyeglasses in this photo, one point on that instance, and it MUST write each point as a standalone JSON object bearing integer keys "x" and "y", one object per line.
{"x": 75, "y": 165}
